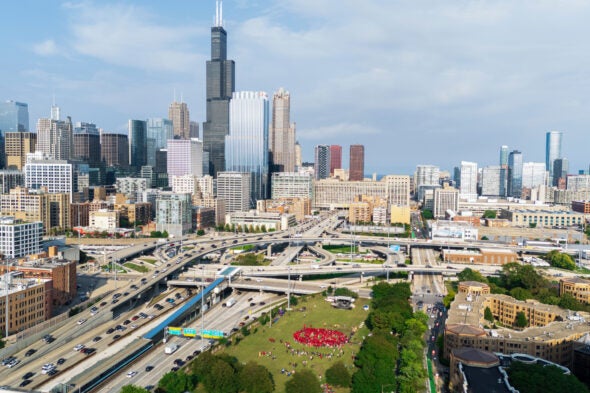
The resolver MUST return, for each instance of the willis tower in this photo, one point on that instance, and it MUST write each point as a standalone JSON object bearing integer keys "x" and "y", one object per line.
{"x": 220, "y": 86}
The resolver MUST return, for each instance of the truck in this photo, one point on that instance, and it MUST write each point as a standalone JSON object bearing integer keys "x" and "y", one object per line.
{"x": 230, "y": 302}
{"x": 170, "y": 349}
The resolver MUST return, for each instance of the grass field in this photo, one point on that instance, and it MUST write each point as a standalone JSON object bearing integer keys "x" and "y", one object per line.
{"x": 318, "y": 313}
{"x": 137, "y": 268}
{"x": 149, "y": 260}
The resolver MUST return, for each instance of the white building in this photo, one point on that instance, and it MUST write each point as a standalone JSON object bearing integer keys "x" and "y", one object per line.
{"x": 42, "y": 171}
{"x": 132, "y": 187}
{"x": 173, "y": 213}
{"x": 452, "y": 230}
{"x": 578, "y": 183}
{"x": 468, "y": 182}
{"x": 426, "y": 177}
{"x": 55, "y": 138}
{"x": 534, "y": 174}
{"x": 234, "y": 189}
{"x": 291, "y": 185}
{"x": 104, "y": 220}
{"x": 185, "y": 157}
{"x": 18, "y": 238}
{"x": 270, "y": 221}
{"x": 445, "y": 199}
{"x": 493, "y": 181}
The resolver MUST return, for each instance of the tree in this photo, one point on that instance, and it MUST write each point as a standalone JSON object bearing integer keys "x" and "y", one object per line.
{"x": 448, "y": 299}
{"x": 133, "y": 389}
{"x": 520, "y": 293}
{"x": 548, "y": 379}
{"x": 221, "y": 379}
{"x": 521, "y": 320}
{"x": 304, "y": 381}
{"x": 569, "y": 302}
{"x": 471, "y": 275}
{"x": 487, "y": 314}
{"x": 489, "y": 214}
{"x": 176, "y": 382}
{"x": 254, "y": 378}
{"x": 560, "y": 260}
{"x": 338, "y": 375}
{"x": 427, "y": 214}
{"x": 201, "y": 232}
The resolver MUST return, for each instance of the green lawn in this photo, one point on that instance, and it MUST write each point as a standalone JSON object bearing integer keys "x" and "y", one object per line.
{"x": 341, "y": 249}
{"x": 149, "y": 260}
{"x": 137, "y": 268}
{"x": 320, "y": 314}
{"x": 245, "y": 247}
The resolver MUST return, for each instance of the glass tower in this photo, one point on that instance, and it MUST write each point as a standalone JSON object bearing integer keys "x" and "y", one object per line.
{"x": 504, "y": 156}
{"x": 515, "y": 174}
{"x": 552, "y": 150}
{"x": 246, "y": 146}
{"x": 220, "y": 86}
{"x": 159, "y": 130}
{"x": 14, "y": 117}
{"x": 137, "y": 144}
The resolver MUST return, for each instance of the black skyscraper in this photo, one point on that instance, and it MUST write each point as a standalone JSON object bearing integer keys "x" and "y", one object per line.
{"x": 220, "y": 86}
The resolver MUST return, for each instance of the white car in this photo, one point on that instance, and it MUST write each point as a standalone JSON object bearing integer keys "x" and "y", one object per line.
{"x": 81, "y": 321}
{"x": 131, "y": 374}
{"x": 79, "y": 347}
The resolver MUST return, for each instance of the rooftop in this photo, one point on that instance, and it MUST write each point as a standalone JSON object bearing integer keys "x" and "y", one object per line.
{"x": 488, "y": 380}
{"x": 575, "y": 280}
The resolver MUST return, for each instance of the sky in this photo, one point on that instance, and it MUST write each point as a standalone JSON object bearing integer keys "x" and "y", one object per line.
{"x": 416, "y": 82}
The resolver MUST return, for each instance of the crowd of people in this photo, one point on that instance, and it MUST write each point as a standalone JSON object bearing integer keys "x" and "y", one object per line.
{"x": 320, "y": 337}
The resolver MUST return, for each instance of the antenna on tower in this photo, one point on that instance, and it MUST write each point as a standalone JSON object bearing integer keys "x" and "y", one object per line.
{"x": 220, "y": 13}
{"x": 181, "y": 100}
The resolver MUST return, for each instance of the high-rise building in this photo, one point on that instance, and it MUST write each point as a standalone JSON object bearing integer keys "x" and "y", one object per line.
{"x": 504, "y": 156}
{"x": 468, "y": 186}
{"x": 515, "y": 174}
{"x": 87, "y": 143}
{"x": 173, "y": 213}
{"x": 9, "y": 179}
{"x": 335, "y": 158}
{"x": 298, "y": 157}
{"x": 445, "y": 199}
{"x": 137, "y": 133}
{"x": 185, "y": 157}
{"x": 19, "y": 238}
{"x": 322, "y": 162}
{"x": 246, "y": 146}
{"x": 533, "y": 174}
{"x": 17, "y": 146}
{"x": 179, "y": 115}
{"x": 425, "y": 177}
{"x": 493, "y": 181}
{"x": 552, "y": 150}
{"x": 194, "y": 129}
{"x": 291, "y": 185}
{"x": 159, "y": 131}
{"x": 356, "y": 171}
{"x": 43, "y": 171}
{"x": 282, "y": 134}
{"x": 560, "y": 170}
{"x": 220, "y": 87}
{"x": 114, "y": 150}
{"x": 234, "y": 189}
{"x": 14, "y": 117}
{"x": 55, "y": 138}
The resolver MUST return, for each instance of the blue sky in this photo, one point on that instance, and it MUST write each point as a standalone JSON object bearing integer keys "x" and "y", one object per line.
{"x": 425, "y": 82}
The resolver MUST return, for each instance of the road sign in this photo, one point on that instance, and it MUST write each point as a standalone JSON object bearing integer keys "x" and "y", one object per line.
{"x": 394, "y": 248}
{"x": 189, "y": 332}
{"x": 174, "y": 331}
{"x": 212, "y": 334}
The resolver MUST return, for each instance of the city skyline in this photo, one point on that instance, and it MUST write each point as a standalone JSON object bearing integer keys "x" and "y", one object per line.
{"x": 391, "y": 85}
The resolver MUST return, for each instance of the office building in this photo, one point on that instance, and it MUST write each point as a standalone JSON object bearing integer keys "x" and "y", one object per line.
{"x": 578, "y": 183}
{"x": 298, "y": 159}
{"x": 234, "y": 189}
{"x": 425, "y": 177}
{"x": 55, "y": 138}
{"x": 299, "y": 207}
{"x": 55, "y": 175}
{"x": 246, "y": 146}
{"x": 282, "y": 134}
{"x": 9, "y": 179}
{"x": 14, "y": 117}
{"x": 19, "y": 238}
{"x": 131, "y": 187}
{"x": 534, "y": 174}
{"x": 220, "y": 87}
{"x": 356, "y": 168}
{"x": 159, "y": 131}
{"x": 579, "y": 288}
{"x": 179, "y": 115}
{"x": 194, "y": 129}
{"x": 185, "y": 157}
{"x": 335, "y": 158}
{"x": 504, "y": 156}
{"x": 16, "y": 147}
{"x": 87, "y": 144}
{"x": 552, "y": 150}
{"x": 29, "y": 302}
{"x": 173, "y": 213}
{"x": 322, "y": 162}
{"x": 261, "y": 221}
{"x": 137, "y": 133}
{"x": 493, "y": 181}
{"x": 543, "y": 218}
{"x": 515, "y": 174}
{"x": 397, "y": 189}
{"x": 468, "y": 183}
{"x": 445, "y": 199}
{"x": 291, "y": 185}
{"x": 114, "y": 150}
{"x": 104, "y": 220}
{"x": 560, "y": 170}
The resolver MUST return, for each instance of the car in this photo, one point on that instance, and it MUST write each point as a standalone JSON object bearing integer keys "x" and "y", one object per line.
{"x": 79, "y": 347}
{"x": 81, "y": 321}
{"x": 133, "y": 326}
{"x": 252, "y": 304}
{"x": 174, "y": 369}
{"x": 189, "y": 358}
{"x": 52, "y": 372}
{"x": 134, "y": 318}
{"x": 61, "y": 361}
{"x": 131, "y": 374}
{"x": 196, "y": 353}
{"x": 120, "y": 327}
{"x": 25, "y": 383}
{"x": 116, "y": 337}
{"x": 97, "y": 339}
{"x": 30, "y": 352}
{"x": 127, "y": 322}
{"x": 133, "y": 286}
{"x": 110, "y": 330}
{"x": 103, "y": 304}
{"x": 115, "y": 301}
{"x": 149, "y": 387}
{"x": 28, "y": 375}
{"x": 7, "y": 360}
{"x": 149, "y": 368}
{"x": 13, "y": 363}
{"x": 142, "y": 315}
{"x": 262, "y": 303}
{"x": 89, "y": 351}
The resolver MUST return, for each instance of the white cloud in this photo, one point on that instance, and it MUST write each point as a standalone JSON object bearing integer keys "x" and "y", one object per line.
{"x": 45, "y": 48}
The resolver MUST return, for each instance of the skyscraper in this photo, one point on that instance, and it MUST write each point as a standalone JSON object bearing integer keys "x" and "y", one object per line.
{"x": 322, "y": 162}
{"x": 298, "y": 158}
{"x": 159, "y": 131}
{"x": 179, "y": 115}
{"x": 17, "y": 145}
{"x": 137, "y": 133}
{"x": 493, "y": 181}
{"x": 246, "y": 146}
{"x": 552, "y": 150}
{"x": 87, "y": 143}
{"x": 185, "y": 157}
{"x": 14, "y": 117}
{"x": 194, "y": 129}
{"x": 468, "y": 187}
{"x": 356, "y": 170}
{"x": 533, "y": 174}
{"x": 220, "y": 86}
{"x": 515, "y": 174}
{"x": 335, "y": 158}
{"x": 114, "y": 150}
{"x": 282, "y": 134}
{"x": 55, "y": 138}
{"x": 560, "y": 170}
{"x": 426, "y": 177}
{"x": 504, "y": 156}
{"x": 234, "y": 189}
